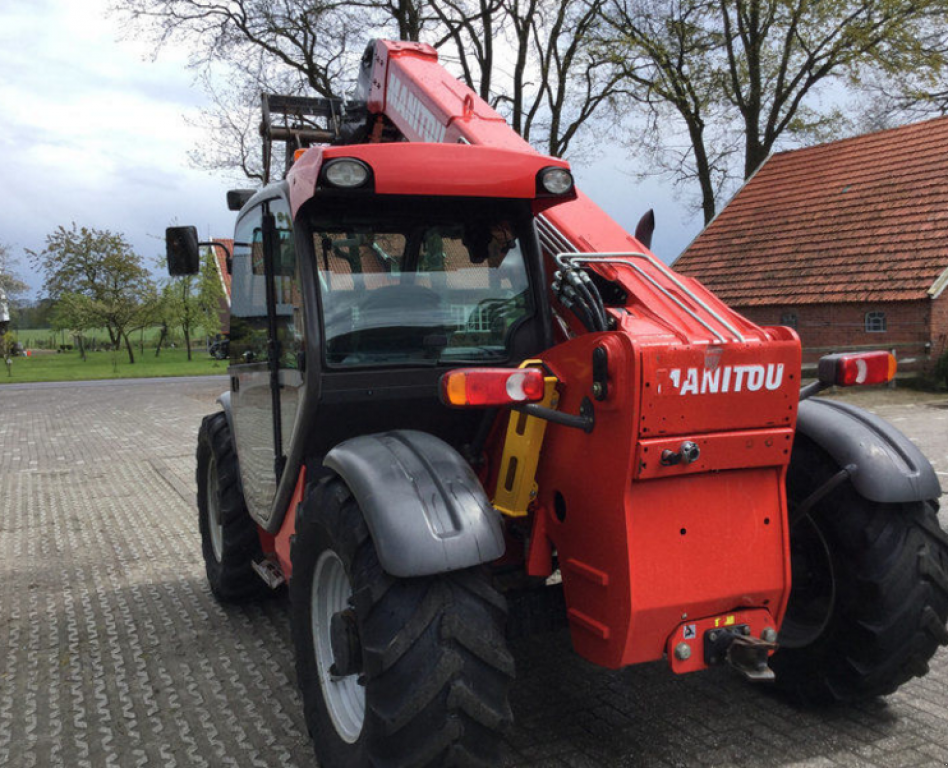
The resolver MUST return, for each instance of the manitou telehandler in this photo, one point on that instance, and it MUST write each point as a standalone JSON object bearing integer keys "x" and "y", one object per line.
{"x": 465, "y": 404}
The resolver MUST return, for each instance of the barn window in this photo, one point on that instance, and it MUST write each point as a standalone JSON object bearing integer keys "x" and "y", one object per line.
{"x": 875, "y": 322}
{"x": 789, "y": 319}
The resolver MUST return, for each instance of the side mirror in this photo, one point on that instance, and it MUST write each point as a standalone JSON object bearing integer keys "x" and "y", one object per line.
{"x": 238, "y": 198}
{"x": 181, "y": 248}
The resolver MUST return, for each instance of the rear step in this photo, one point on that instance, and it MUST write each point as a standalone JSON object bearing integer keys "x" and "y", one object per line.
{"x": 268, "y": 570}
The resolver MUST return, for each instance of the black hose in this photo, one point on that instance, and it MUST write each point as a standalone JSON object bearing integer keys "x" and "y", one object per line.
{"x": 577, "y": 308}
{"x": 587, "y": 300}
{"x": 597, "y": 297}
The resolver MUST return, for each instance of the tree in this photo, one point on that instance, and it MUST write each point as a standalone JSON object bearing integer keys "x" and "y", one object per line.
{"x": 182, "y": 306}
{"x": 11, "y": 286}
{"x": 68, "y": 315}
{"x": 734, "y": 79}
{"x": 210, "y": 293}
{"x": 528, "y": 58}
{"x": 96, "y": 280}
{"x": 193, "y": 301}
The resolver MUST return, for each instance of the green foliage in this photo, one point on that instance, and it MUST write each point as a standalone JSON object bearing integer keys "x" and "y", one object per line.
{"x": 7, "y": 342}
{"x": 192, "y": 302}
{"x": 11, "y": 286}
{"x": 96, "y": 280}
{"x": 35, "y": 314}
{"x": 180, "y": 308}
{"x": 210, "y": 292}
{"x": 939, "y": 371}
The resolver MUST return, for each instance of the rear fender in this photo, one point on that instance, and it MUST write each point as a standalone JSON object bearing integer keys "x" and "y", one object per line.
{"x": 225, "y": 403}
{"x": 424, "y": 506}
{"x": 889, "y": 468}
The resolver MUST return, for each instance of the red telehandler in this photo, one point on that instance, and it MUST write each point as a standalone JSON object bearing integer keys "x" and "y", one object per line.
{"x": 465, "y": 405}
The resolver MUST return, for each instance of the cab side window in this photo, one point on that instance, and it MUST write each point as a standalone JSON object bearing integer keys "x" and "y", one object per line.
{"x": 289, "y": 299}
{"x": 248, "y": 323}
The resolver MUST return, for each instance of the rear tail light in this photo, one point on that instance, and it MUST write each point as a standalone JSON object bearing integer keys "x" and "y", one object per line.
{"x": 854, "y": 369}
{"x": 467, "y": 387}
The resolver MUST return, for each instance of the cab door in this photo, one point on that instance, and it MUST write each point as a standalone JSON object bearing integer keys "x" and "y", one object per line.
{"x": 265, "y": 339}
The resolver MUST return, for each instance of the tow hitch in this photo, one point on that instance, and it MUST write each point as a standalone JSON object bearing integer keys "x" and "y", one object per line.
{"x": 739, "y": 648}
{"x": 743, "y": 639}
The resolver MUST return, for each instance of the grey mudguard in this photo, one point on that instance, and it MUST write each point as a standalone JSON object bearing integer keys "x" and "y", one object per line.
{"x": 889, "y": 468}
{"x": 424, "y": 505}
{"x": 224, "y": 401}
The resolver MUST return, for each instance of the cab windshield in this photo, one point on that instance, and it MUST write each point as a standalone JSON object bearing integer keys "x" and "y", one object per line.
{"x": 421, "y": 282}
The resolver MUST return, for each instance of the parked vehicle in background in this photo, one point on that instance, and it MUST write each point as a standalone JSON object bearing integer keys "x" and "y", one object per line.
{"x": 220, "y": 347}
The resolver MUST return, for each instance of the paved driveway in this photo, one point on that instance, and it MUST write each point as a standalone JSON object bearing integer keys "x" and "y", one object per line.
{"x": 113, "y": 652}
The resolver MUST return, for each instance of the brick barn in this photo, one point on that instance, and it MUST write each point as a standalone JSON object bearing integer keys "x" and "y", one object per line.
{"x": 846, "y": 242}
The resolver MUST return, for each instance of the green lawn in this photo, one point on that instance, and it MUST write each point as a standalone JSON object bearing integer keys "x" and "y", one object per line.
{"x": 106, "y": 365}
{"x": 31, "y": 337}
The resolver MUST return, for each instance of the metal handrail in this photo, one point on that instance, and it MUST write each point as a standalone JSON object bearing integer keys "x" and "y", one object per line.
{"x": 621, "y": 258}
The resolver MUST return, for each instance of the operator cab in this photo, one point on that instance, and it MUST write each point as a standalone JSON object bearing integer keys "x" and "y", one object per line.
{"x": 424, "y": 283}
{"x": 353, "y": 293}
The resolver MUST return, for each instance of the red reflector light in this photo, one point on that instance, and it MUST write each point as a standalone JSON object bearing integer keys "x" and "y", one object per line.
{"x": 848, "y": 370}
{"x": 492, "y": 386}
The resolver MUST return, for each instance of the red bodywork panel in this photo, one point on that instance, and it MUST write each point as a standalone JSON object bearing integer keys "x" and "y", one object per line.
{"x": 443, "y": 170}
{"x": 281, "y": 544}
{"x": 646, "y": 549}
{"x": 643, "y": 546}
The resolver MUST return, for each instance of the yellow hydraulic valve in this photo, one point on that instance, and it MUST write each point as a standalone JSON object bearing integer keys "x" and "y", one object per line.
{"x": 516, "y": 482}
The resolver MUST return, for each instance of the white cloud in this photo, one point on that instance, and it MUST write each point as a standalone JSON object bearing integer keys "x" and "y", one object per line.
{"x": 95, "y": 132}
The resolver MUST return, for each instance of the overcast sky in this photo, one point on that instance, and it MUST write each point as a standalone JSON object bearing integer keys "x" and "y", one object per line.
{"x": 93, "y": 131}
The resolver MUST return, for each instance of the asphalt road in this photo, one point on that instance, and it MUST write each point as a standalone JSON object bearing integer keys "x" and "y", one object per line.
{"x": 114, "y": 653}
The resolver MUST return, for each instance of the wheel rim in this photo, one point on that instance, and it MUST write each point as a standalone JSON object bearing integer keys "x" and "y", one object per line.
{"x": 813, "y": 594}
{"x": 214, "y": 525}
{"x": 344, "y": 697}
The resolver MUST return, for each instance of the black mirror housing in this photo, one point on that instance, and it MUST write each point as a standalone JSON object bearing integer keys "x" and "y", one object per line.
{"x": 181, "y": 248}
{"x": 237, "y": 198}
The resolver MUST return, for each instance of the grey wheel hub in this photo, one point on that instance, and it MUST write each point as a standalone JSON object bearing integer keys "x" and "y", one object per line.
{"x": 215, "y": 526}
{"x": 343, "y": 695}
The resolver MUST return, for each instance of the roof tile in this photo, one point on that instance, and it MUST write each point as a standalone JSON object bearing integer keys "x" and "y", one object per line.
{"x": 859, "y": 219}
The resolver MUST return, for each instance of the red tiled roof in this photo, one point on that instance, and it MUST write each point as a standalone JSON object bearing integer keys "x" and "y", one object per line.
{"x": 222, "y": 262}
{"x": 863, "y": 219}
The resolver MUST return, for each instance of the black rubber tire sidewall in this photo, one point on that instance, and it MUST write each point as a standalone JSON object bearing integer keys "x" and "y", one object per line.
{"x": 436, "y": 665}
{"x": 318, "y": 528}
{"x": 232, "y": 579}
{"x": 888, "y": 617}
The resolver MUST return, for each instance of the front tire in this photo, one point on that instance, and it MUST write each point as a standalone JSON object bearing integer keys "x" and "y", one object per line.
{"x": 229, "y": 538}
{"x": 870, "y": 590}
{"x": 428, "y": 675}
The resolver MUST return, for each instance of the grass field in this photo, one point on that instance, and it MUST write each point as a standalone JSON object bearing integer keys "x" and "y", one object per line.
{"x": 32, "y": 337}
{"x": 108, "y": 365}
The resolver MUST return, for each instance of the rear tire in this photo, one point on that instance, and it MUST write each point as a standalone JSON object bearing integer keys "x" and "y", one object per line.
{"x": 434, "y": 669}
{"x": 229, "y": 538}
{"x": 870, "y": 590}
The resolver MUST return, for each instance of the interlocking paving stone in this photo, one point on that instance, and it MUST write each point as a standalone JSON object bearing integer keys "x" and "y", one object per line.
{"x": 114, "y": 653}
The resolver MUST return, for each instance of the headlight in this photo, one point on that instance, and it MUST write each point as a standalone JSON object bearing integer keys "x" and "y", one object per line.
{"x": 556, "y": 181}
{"x": 346, "y": 172}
